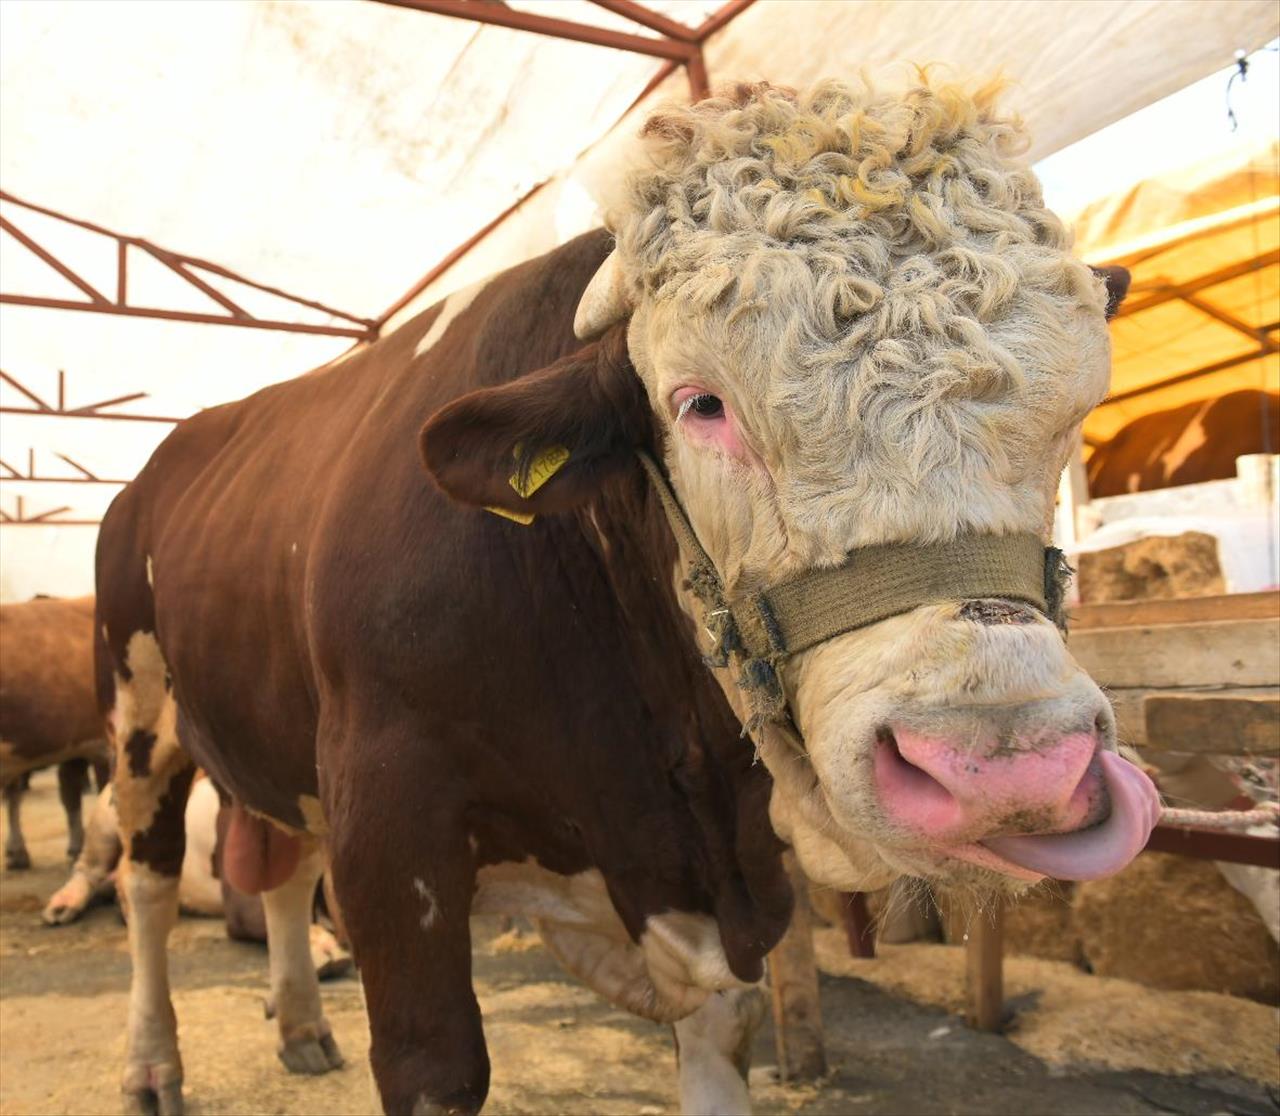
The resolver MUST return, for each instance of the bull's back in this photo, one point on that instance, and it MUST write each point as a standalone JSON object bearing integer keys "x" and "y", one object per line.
{"x": 207, "y": 549}
{"x": 304, "y": 508}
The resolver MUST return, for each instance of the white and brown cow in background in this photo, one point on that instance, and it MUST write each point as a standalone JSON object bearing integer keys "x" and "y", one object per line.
{"x": 48, "y": 711}
{"x": 202, "y": 890}
{"x": 837, "y": 319}
{"x": 1189, "y": 444}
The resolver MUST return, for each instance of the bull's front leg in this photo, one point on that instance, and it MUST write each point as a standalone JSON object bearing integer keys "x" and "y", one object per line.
{"x": 404, "y": 874}
{"x": 713, "y": 1052}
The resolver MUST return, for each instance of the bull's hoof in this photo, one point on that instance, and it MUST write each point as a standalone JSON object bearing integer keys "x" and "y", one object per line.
{"x": 311, "y": 1055}
{"x": 68, "y": 903}
{"x": 153, "y": 1089}
{"x": 328, "y": 957}
{"x": 165, "y": 1101}
{"x": 17, "y": 860}
{"x": 425, "y": 1107}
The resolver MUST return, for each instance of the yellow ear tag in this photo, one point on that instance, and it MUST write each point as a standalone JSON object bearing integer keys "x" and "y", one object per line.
{"x": 545, "y": 466}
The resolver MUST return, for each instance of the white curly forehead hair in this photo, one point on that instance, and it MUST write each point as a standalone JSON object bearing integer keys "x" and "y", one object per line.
{"x": 873, "y": 278}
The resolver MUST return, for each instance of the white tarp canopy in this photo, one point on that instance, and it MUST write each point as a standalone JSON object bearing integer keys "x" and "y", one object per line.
{"x": 339, "y": 149}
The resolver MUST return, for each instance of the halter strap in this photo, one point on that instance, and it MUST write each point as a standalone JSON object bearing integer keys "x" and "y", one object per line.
{"x": 873, "y": 583}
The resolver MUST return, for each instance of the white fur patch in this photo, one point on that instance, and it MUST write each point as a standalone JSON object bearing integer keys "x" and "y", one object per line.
{"x": 313, "y": 815}
{"x": 454, "y": 305}
{"x": 431, "y": 905}
{"x": 144, "y": 703}
{"x": 684, "y": 949}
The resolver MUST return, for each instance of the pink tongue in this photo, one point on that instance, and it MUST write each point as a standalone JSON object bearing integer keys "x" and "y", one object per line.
{"x": 1090, "y": 854}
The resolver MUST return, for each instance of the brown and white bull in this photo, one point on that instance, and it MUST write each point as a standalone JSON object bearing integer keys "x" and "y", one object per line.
{"x": 837, "y": 320}
{"x": 48, "y": 712}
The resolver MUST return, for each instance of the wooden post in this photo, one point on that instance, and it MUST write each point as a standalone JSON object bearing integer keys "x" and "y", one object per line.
{"x": 984, "y": 969}
{"x": 793, "y": 977}
{"x": 857, "y": 924}
{"x": 1073, "y": 497}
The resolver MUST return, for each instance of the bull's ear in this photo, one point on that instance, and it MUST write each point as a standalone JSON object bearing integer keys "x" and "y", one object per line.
{"x": 1117, "y": 280}
{"x": 554, "y": 435}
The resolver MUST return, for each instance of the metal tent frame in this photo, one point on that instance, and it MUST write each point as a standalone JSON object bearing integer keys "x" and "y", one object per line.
{"x": 675, "y": 44}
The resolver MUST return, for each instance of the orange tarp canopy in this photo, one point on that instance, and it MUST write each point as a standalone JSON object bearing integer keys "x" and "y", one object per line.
{"x": 1203, "y": 314}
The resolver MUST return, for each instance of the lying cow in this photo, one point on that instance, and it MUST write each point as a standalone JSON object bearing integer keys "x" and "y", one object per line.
{"x": 48, "y": 713}
{"x": 1186, "y": 445}
{"x": 201, "y": 889}
{"x": 794, "y": 473}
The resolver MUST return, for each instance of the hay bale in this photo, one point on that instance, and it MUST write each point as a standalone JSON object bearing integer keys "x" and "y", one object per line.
{"x": 1040, "y": 925}
{"x": 1155, "y": 568}
{"x": 1173, "y": 922}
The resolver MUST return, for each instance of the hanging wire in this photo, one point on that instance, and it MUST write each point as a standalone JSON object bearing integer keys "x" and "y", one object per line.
{"x": 1241, "y": 74}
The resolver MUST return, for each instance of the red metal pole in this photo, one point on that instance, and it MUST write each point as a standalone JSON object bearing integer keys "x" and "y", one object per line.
{"x": 501, "y": 16}
{"x": 182, "y": 316}
{"x": 638, "y": 13}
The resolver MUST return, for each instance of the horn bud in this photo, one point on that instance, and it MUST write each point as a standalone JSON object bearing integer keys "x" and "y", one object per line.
{"x": 603, "y": 302}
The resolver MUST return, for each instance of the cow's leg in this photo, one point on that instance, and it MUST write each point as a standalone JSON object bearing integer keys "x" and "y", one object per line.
{"x": 16, "y": 856}
{"x": 91, "y": 877}
{"x": 73, "y": 779}
{"x": 713, "y": 1052}
{"x": 306, "y": 1043}
{"x": 404, "y": 875}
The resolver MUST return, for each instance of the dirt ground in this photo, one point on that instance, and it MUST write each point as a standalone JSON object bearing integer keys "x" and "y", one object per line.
{"x": 894, "y": 1040}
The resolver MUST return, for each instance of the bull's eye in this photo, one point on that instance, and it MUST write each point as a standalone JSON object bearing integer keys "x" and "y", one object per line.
{"x": 702, "y": 405}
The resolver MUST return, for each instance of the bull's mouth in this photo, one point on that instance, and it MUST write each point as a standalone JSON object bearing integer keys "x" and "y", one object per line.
{"x": 1083, "y": 854}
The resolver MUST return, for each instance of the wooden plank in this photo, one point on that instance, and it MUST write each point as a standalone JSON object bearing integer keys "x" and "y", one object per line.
{"x": 1131, "y": 718}
{"x": 1215, "y": 653}
{"x": 1250, "y": 724}
{"x": 984, "y": 969}
{"x": 1184, "y": 610}
{"x": 1215, "y": 844}
{"x": 793, "y": 980}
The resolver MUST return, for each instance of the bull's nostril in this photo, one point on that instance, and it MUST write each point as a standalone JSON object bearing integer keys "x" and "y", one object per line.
{"x": 907, "y": 777}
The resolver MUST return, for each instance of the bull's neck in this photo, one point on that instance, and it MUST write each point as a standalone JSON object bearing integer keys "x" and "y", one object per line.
{"x": 628, "y": 531}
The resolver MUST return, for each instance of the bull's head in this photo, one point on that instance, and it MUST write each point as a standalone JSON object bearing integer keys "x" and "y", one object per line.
{"x": 857, "y": 324}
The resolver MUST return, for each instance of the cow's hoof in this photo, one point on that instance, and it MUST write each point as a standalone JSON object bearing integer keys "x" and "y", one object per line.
{"x": 311, "y": 1055}
{"x": 17, "y": 860}
{"x": 328, "y": 957}
{"x": 68, "y": 903}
